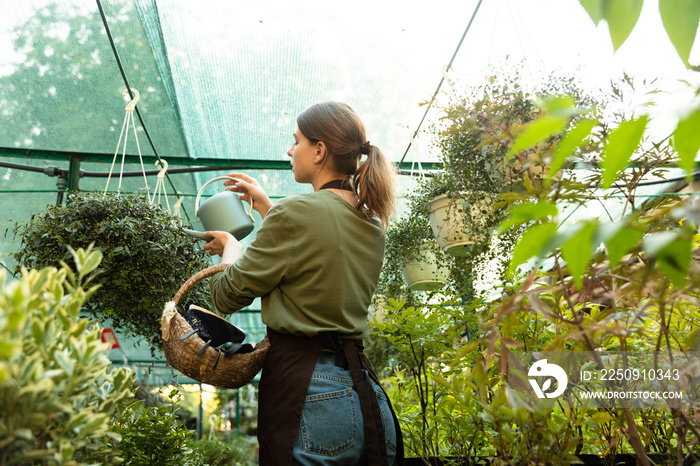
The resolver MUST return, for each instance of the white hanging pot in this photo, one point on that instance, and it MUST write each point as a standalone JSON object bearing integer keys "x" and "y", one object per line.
{"x": 222, "y": 212}
{"x": 449, "y": 217}
{"x": 423, "y": 273}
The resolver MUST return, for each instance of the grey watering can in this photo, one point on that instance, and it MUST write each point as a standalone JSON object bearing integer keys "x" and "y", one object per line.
{"x": 222, "y": 212}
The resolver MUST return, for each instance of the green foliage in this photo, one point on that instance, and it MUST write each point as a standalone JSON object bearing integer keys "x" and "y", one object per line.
{"x": 617, "y": 284}
{"x": 147, "y": 257}
{"x": 477, "y": 138}
{"x": 237, "y": 452}
{"x": 621, "y": 143}
{"x": 555, "y": 116}
{"x": 57, "y": 391}
{"x": 628, "y": 280}
{"x": 621, "y": 16}
{"x": 151, "y": 436}
{"x": 534, "y": 242}
{"x": 569, "y": 143}
{"x": 420, "y": 338}
{"x": 686, "y": 141}
{"x": 680, "y": 20}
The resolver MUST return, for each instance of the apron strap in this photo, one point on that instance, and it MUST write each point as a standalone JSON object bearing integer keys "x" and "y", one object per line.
{"x": 369, "y": 405}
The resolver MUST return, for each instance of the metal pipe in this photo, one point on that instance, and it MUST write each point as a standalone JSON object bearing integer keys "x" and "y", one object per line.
{"x": 56, "y": 171}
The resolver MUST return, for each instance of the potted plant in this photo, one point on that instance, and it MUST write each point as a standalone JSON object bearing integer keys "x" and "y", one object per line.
{"x": 412, "y": 258}
{"x": 147, "y": 257}
{"x": 480, "y": 171}
{"x": 423, "y": 272}
{"x": 464, "y": 208}
{"x": 449, "y": 213}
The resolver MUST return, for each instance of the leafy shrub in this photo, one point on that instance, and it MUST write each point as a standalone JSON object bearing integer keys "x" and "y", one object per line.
{"x": 420, "y": 337}
{"x": 239, "y": 452}
{"x": 628, "y": 284}
{"x": 147, "y": 257}
{"x": 57, "y": 390}
{"x": 151, "y": 436}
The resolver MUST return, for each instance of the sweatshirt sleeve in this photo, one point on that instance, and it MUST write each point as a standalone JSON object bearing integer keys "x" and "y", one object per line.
{"x": 261, "y": 268}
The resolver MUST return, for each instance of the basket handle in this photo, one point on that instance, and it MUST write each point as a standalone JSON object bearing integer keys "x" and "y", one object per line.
{"x": 201, "y": 190}
{"x": 196, "y": 278}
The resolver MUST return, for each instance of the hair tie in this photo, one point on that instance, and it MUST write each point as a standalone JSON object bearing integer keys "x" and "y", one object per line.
{"x": 364, "y": 148}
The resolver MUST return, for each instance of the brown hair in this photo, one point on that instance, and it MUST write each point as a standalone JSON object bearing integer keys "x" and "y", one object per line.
{"x": 341, "y": 130}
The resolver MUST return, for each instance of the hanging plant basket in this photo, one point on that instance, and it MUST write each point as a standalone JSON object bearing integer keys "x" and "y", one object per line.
{"x": 423, "y": 273}
{"x": 460, "y": 221}
{"x": 146, "y": 256}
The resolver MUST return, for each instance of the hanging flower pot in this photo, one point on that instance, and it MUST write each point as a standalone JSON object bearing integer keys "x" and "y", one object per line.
{"x": 423, "y": 272}
{"x": 411, "y": 258}
{"x": 460, "y": 221}
{"x": 146, "y": 256}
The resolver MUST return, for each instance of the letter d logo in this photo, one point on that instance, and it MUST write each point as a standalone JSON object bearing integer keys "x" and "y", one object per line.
{"x": 543, "y": 369}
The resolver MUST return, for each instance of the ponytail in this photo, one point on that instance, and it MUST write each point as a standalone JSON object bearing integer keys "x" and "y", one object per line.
{"x": 342, "y": 130}
{"x": 374, "y": 185}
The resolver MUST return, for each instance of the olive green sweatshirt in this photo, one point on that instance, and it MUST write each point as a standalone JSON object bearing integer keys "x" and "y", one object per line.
{"x": 315, "y": 261}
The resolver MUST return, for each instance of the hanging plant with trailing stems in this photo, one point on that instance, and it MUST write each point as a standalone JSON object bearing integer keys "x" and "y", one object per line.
{"x": 474, "y": 141}
{"x": 404, "y": 240}
{"x": 147, "y": 257}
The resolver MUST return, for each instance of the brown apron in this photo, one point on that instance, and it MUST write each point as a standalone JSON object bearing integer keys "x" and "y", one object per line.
{"x": 283, "y": 385}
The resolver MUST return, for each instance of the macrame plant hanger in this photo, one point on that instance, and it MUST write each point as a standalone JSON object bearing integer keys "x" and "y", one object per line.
{"x": 421, "y": 173}
{"x": 160, "y": 189}
{"x": 160, "y": 186}
{"x": 128, "y": 117}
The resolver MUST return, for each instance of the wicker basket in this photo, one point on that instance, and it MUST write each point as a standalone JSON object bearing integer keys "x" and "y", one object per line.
{"x": 232, "y": 371}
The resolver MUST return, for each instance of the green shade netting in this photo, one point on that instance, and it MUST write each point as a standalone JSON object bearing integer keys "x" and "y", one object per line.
{"x": 217, "y": 79}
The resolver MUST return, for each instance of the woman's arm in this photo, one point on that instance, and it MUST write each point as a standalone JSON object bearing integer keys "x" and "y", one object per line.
{"x": 258, "y": 271}
{"x": 223, "y": 244}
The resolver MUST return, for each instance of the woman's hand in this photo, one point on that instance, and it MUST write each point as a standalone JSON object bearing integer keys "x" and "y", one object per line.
{"x": 252, "y": 192}
{"x": 223, "y": 244}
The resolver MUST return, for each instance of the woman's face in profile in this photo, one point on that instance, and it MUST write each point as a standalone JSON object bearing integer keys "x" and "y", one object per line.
{"x": 303, "y": 153}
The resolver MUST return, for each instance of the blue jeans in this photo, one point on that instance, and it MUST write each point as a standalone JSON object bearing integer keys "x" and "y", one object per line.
{"x": 331, "y": 431}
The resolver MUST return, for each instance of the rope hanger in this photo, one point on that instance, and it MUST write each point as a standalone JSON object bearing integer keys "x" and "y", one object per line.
{"x": 160, "y": 188}
{"x": 442, "y": 80}
{"x": 126, "y": 82}
{"x": 160, "y": 185}
{"x": 128, "y": 117}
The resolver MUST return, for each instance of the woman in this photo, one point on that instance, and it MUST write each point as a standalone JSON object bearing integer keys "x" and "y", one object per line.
{"x": 315, "y": 261}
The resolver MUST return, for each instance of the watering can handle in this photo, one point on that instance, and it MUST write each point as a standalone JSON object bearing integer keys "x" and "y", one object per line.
{"x": 199, "y": 194}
